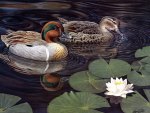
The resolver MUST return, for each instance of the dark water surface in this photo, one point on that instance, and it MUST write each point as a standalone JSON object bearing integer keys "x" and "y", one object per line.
{"x": 22, "y": 77}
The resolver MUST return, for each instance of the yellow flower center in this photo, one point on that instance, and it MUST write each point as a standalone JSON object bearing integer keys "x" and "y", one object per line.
{"x": 85, "y": 108}
{"x": 118, "y": 83}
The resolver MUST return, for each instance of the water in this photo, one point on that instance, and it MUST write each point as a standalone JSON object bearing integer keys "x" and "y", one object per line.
{"x": 23, "y": 77}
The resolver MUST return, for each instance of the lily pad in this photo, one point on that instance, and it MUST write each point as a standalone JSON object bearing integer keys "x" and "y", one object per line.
{"x": 147, "y": 93}
{"x": 138, "y": 79}
{"x": 80, "y": 102}
{"x": 85, "y": 81}
{"x": 135, "y": 104}
{"x": 145, "y": 60}
{"x": 147, "y": 68}
{"x": 8, "y": 104}
{"x": 144, "y": 52}
{"x": 140, "y": 66}
{"x": 115, "y": 68}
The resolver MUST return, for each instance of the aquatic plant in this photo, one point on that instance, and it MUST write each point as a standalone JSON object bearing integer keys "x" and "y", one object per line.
{"x": 139, "y": 79}
{"x": 95, "y": 80}
{"x": 144, "y": 52}
{"x": 140, "y": 75}
{"x": 79, "y": 102}
{"x": 85, "y": 81}
{"x": 9, "y": 104}
{"x": 119, "y": 87}
{"x": 115, "y": 68}
{"x": 136, "y": 103}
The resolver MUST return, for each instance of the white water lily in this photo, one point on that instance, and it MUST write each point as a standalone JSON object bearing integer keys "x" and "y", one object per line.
{"x": 118, "y": 87}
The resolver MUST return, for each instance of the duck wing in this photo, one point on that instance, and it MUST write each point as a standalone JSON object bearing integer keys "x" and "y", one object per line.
{"x": 85, "y": 27}
{"x": 86, "y": 38}
{"x": 82, "y": 38}
{"x": 23, "y": 37}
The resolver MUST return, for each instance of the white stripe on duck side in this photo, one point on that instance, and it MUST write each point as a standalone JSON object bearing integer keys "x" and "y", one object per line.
{"x": 47, "y": 54}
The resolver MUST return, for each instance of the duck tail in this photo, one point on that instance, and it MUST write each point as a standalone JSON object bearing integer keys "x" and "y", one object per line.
{"x": 5, "y": 40}
{"x": 62, "y": 20}
{"x": 5, "y": 58}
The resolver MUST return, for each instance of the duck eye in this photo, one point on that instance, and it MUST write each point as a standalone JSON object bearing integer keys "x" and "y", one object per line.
{"x": 52, "y": 27}
{"x": 112, "y": 20}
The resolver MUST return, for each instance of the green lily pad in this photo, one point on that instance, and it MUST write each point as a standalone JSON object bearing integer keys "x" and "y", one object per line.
{"x": 147, "y": 93}
{"x": 135, "y": 104}
{"x": 115, "y": 68}
{"x": 145, "y": 60}
{"x": 85, "y": 81}
{"x": 139, "y": 79}
{"x": 147, "y": 68}
{"x": 138, "y": 66}
{"x": 80, "y": 102}
{"x": 144, "y": 52}
{"x": 8, "y": 104}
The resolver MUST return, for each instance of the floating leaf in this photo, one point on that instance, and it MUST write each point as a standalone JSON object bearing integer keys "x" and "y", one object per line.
{"x": 147, "y": 68}
{"x": 85, "y": 81}
{"x": 141, "y": 66}
{"x": 8, "y": 105}
{"x": 115, "y": 68}
{"x": 80, "y": 102}
{"x": 147, "y": 93}
{"x": 145, "y": 60}
{"x": 139, "y": 79}
{"x": 135, "y": 104}
{"x": 138, "y": 66}
{"x": 145, "y": 51}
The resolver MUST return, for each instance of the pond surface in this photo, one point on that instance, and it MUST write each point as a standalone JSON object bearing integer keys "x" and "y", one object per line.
{"x": 22, "y": 77}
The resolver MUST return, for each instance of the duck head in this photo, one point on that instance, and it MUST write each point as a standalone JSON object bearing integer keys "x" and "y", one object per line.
{"x": 109, "y": 24}
{"x": 51, "y": 31}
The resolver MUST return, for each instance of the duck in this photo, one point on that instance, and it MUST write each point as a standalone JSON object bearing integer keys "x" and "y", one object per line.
{"x": 37, "y": 46}
{"x": 89, "y": 32}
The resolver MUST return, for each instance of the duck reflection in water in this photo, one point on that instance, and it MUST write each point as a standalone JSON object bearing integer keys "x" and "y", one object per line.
{"x": 50, "y": 82}
{"x": 32, "y": 67}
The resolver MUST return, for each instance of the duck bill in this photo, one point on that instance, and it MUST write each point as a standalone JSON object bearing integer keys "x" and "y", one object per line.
{"x": 63, "y": 34}
{"x": 64, "y": 37}
{"x": 118, "y": 31}
{"x": 122, "y": 37}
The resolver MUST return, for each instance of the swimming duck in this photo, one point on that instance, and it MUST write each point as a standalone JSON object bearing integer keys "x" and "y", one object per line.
{"x": 36, "y": 46}
{"x": 87, "y": 32}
